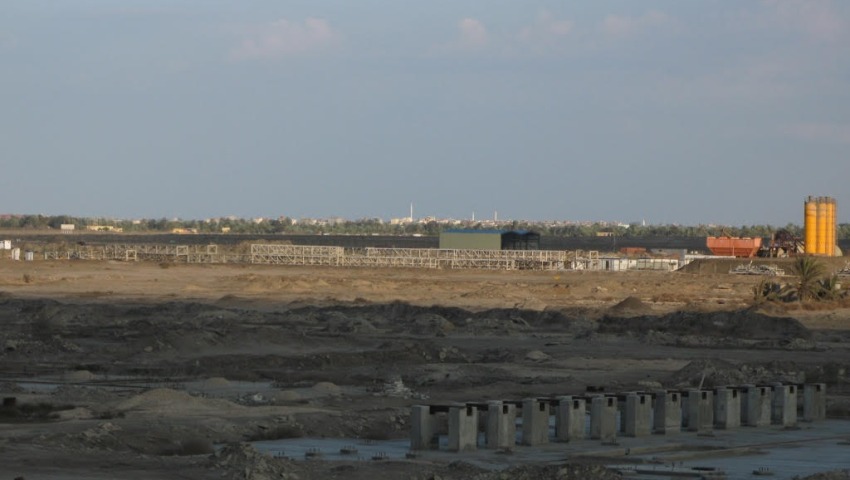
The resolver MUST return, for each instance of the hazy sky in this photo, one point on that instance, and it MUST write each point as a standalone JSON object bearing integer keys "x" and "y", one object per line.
{"x": 669, "y": 111}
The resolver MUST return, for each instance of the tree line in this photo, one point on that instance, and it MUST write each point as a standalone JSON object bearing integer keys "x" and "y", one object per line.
{"x": 376, "y": 226}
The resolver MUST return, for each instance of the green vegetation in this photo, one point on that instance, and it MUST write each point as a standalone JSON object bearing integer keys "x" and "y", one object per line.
{"x": 809, "y": 272}
{"x": 812, "y": 282}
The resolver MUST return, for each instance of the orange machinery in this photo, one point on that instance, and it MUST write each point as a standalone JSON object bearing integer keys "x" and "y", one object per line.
{"x": 733, "y": 246}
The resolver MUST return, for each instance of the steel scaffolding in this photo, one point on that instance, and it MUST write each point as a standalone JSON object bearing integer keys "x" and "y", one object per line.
{"x": 302, "y": 255}
{"x": 408, "y": 257}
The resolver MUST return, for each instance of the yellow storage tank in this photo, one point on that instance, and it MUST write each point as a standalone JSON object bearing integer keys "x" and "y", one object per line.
{"x": 811, "y": 225}
{"x": 830, "y": 227}
{"x": 822, "y": 222}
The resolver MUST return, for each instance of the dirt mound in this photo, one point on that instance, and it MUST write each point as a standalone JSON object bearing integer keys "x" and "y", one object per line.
{"x": 172, "y": 402}
{"x": 536, "y": 356}
{"x": 740, "y": 324}
{"x": 244, "y": 462}
{"x": 79, "y": 376}
{"x": 216, "y": 382}
{"x": 834, "y": 475}
{"x": 462, "y": 470}
{"x": 327, "y": 389}
{"x": 403, "y": 317}
{"x": 630, "y": 306}
{"x": 712, "y": 373}
{"x": 431, "y": 323}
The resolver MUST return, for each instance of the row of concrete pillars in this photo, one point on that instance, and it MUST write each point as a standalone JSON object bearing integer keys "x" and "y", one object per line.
{"x": 633, "y": 414}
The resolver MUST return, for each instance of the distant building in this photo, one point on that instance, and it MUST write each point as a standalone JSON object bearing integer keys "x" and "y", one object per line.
{"x": 458, "y": 239}
{"x": 67, "y": 227}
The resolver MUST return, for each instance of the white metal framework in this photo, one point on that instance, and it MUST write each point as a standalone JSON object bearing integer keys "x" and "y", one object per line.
{"x": 301, "y": 255}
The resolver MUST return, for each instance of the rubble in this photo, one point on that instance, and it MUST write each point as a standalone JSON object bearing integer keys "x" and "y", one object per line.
{"x": 241, "y": 461}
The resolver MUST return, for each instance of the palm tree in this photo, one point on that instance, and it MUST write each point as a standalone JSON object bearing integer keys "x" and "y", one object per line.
{"x": 808, "y": 270}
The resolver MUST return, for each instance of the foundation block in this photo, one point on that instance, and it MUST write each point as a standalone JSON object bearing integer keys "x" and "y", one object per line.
{"x": 638, "y": 422}
{"x": 603, "y": 418}
{"x": 423, "y": 429}
{"x": 755, "y": 405}
{"x": 463, "y": 428}
{"x": 814, "y": 402}
{"x": 700, "y": 411}
{"x": 570, "y": 419}
{"x": 668, "y": 412}
{"x": 535, "y": 421}
{"x": 727, "y": 408}
{"x": 501, "y": 425}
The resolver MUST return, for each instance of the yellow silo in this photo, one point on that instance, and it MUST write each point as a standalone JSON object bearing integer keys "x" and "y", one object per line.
{"x": 830, "y": 227}
{"x": 810, "y": 225}
{"x": 822, "y": 221}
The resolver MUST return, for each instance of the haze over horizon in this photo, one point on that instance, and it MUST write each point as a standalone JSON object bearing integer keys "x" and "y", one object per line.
{"x": 715, "y": 112}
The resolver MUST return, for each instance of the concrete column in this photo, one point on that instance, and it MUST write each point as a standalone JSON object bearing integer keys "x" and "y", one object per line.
{"x": 668, "y": 412}
{"x": 700, "y": 411}
{"x": 603, "y": 418}
{"x": 501, "y": 425}
{"x": 638, "y": 415}
{"x": 755, "y": 406}
{"x": 784, "y": 405}
{"x": 814, "y": 402}
{"x": 463, "y": 427}
{"x": 727, "y": 408}
{"x": 570, "y": 418}
{"x": 424, "y": 428}
{"x": 535, "y": 421}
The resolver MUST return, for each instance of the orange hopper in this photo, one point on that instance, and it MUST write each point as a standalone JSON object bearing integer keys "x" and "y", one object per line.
{"x": 733, "y": 246}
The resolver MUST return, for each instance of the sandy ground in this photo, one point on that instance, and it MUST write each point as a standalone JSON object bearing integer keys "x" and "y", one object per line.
{"x": 156, "y": 363}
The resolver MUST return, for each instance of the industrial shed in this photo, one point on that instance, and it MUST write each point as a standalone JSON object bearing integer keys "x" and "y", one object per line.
{"x": 489, "y": 240}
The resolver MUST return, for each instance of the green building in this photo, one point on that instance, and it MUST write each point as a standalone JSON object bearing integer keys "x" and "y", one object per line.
{"x": 489, "y": 240}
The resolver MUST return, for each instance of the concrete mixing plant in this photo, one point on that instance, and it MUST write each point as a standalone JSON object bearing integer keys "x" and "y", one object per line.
{"x": 819, "y": 226}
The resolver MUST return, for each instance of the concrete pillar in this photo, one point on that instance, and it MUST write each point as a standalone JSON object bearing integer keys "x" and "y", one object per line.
{"x": 501, "y": 425}
{"x": 755, "y": 406}
{"x": 535, "y": 421}
{"x": 700, "y": 411}
{"x": 463, "y": 427}
{"x": 668, "y": 412}
{"x": 638, "y": 415}
{"x": 570, "y": 418}
{"x": 424, "y": 428}
{"x": 603, "y": 418}
{"x": 814, "y": 402}
{"x": 784, "y": 405}
{"x": 727, "y": 408}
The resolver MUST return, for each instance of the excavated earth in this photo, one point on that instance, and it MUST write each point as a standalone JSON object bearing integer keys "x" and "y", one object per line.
{"x": 138, "y": 370}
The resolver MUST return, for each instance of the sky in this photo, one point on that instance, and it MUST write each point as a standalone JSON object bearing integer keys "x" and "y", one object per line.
{"x": 727, "y": 112}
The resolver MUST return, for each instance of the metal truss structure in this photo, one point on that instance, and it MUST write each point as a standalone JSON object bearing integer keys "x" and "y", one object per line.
{"x": 141, "y": 252}
{"x": 300, "y": 255}
{"x": 296, "y": 255}
{"x": 408, "y": 257}
{"x": 586, "y": 261}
